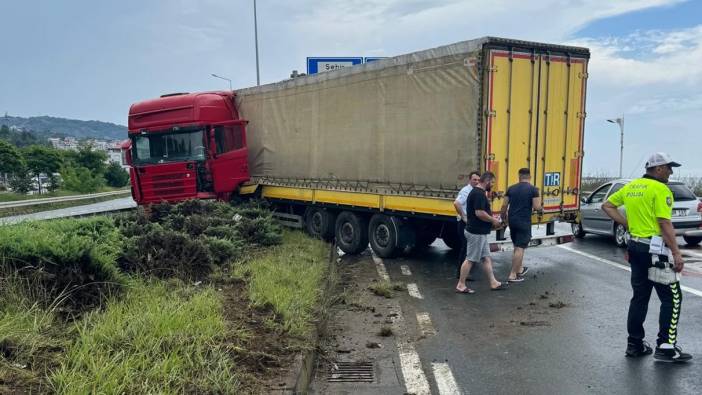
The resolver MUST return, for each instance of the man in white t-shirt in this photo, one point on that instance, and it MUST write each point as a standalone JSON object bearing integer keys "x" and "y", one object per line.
{"x": 461, "y": 216}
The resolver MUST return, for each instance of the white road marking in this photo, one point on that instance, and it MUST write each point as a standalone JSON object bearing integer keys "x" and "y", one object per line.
{"x": 691, "y": 254}
{"x": 623, "y": 267}
{"x": 444, "y": 379}
{"x": 382, "y": 272}
{"x": 415, "y": 380}
{"x": 405, "y": 270}
{"x": 414, "y": 291}
{"x": 425, "y": 325}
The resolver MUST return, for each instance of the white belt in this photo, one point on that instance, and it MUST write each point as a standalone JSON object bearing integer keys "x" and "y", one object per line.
{"x": 645, "y": 240}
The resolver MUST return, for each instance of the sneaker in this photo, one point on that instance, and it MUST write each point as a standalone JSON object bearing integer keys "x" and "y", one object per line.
{"x": 634, "y": 350}
{"x": 671, "y": 353}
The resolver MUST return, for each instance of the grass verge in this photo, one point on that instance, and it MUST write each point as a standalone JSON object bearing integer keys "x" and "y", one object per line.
{"x": 288, "y": 279}
{"x": 158, "y": 339}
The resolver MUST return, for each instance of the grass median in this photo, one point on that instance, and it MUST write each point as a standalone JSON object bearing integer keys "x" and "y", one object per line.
{"x": 227, "y": 331}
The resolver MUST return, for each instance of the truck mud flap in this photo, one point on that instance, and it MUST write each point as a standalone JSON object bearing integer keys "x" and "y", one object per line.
{"x": 541, "y": 241}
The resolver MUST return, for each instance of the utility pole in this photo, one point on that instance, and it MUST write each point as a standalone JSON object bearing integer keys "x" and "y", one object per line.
{"x": 620, "y": 122}
{"x": 258, "y": 74}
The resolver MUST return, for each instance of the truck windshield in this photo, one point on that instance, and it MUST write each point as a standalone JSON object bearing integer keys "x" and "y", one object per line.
{"x": 169, "y": 147}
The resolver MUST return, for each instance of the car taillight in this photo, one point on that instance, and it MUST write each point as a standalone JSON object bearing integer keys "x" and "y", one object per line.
{"x": 699, "y": 207}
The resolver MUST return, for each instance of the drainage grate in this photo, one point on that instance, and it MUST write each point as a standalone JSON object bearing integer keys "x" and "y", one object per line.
{"x": 351, "y": 372}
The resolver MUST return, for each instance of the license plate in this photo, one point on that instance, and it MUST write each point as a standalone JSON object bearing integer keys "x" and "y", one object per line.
{"x": 679, "y": 212}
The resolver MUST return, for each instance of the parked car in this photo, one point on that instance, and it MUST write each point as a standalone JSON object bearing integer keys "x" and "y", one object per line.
{"x": 687, "y": 219}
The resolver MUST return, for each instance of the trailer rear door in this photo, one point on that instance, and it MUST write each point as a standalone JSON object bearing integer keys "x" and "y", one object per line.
{"x": 534, "y": 118}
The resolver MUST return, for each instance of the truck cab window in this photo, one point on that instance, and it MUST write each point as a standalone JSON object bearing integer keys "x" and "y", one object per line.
{"x": 228, "y": 138}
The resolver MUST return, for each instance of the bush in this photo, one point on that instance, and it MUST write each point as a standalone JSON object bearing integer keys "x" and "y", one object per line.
{"x": 116, "y": 176}
{"x": 21, "y": 182}
{"x": 166, "y": 253}
{"x": 222, "y": 250}
{"x": 184, "y": 240}
{"x": 71, "y": 259}
{"x": 80, "y": 179}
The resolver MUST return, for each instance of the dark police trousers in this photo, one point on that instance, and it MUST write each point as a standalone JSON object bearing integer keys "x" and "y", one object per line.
{"x": 669, "y": 295}
{"x": 460, "y": 227}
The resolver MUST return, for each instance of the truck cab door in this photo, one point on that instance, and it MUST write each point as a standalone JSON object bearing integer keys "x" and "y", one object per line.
{"x": 229, "y": 165}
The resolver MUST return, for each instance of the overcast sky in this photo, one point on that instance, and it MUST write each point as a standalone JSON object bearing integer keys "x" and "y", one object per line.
{"x": 91, "y": 60}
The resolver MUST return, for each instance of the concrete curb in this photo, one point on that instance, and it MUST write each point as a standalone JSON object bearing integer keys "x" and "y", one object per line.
{"x": 304, "y": 365}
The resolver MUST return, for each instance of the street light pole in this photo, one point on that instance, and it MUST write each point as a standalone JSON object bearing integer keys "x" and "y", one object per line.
{"x": 620, "y": 122}
{"x": 224, "y": 78}
{"x": 258, "y": 74}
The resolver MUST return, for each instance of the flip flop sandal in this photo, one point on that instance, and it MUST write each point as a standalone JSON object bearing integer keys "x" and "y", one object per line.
{"x": 465, "y": 291}
{"x": 525, "y": 270}
{"x": 502, "y": 287}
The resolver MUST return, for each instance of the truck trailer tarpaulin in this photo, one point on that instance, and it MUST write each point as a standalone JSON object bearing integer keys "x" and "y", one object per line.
{"x": 426, "y": 119}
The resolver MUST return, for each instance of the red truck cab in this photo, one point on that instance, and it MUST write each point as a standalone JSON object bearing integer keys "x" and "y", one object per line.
{"x": 186, "y": 146}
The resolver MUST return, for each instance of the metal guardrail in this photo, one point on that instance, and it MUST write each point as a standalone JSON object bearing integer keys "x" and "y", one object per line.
{"x": 34, "y": 202}
{"x": 71, "y": 212}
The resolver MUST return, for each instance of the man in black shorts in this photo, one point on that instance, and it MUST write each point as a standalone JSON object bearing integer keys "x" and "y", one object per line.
{"x": 520, "y": 199}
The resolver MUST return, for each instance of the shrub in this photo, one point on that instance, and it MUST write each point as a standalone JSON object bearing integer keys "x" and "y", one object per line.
{"x": 70, "y": 259}
{"x": 116, "y": 176}
{"x": 166, "y": 253}
{"x": 222, "y": 250}
{"x": 80, "y": 179}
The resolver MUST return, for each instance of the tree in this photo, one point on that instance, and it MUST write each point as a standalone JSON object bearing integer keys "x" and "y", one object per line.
{"x": 42, "y": 160}
{"x": 80, "y": 179}
{"x": 116, "y": 176}
{"x": 21, "y": 182}
{"x": 92, "y": 160}
{"x": 11, "y": 160}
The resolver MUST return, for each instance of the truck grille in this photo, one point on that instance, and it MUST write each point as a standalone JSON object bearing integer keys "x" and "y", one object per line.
{"x": 171, "y": 185}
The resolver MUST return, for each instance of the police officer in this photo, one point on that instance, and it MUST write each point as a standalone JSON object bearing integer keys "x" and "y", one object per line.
{"x": 649, "y": 204}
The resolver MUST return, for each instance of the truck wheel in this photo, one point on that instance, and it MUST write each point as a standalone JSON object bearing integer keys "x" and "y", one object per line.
{"x": 383, "y": 233}
{"x": 692, "y": 240}
{"x": 450, "y": 236}
{"x": 319, "y": 223}
{"x": 351, "y": 232}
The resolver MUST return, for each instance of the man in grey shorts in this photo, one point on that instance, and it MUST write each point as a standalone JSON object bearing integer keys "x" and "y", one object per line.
{"x": 480, "y": 223}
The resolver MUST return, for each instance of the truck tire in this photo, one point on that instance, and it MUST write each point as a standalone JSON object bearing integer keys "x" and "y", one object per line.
{"x": 450, "y": 237}
{"x": 383, "y": 232}
{"x": 319, "y": 223}
{"x": 351, "y": 232}
{"x": 692, "y": 240}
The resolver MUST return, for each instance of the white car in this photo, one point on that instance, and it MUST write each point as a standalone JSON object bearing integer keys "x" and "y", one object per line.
{"x": 687, "y": 219}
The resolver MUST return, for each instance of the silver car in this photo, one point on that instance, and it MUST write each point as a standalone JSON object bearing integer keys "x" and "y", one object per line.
{"x": 686, "y": 216}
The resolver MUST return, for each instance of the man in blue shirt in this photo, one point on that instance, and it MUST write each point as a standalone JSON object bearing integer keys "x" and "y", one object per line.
{"x": 520, "y": 200}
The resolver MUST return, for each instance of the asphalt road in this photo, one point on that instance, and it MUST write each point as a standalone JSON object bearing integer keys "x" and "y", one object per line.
{"x": 562, "y": 331}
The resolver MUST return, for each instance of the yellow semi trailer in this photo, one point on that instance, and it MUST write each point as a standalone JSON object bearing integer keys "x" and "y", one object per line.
{"x": 377, "y": 152}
